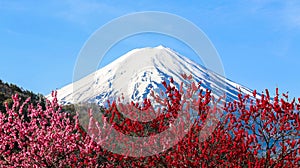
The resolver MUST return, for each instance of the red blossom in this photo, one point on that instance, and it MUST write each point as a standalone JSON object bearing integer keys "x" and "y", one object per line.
{"x": 252, "y": 132}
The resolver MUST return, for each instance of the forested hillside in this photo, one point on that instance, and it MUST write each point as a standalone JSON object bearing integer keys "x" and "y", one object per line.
{"x": 7, "y": 90}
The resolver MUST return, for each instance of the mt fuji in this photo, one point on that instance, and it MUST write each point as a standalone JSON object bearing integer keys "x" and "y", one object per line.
{"x": 139, "y": 71}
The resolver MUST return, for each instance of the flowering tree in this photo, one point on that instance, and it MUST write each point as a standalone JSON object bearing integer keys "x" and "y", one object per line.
{"x": 33, "y": 137}
{"x": 269, "y": 128}
{"x": 254, "y": 131}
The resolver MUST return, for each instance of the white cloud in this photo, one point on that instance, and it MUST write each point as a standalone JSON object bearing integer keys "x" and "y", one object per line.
{"x": 12, "y": 5}
{"x": 80, "y": 11}
{"x": 283, "y": 14}
{"x": 292, "y": 14}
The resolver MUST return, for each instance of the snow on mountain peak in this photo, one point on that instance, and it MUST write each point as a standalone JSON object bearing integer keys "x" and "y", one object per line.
{"x": 140, "y": 70}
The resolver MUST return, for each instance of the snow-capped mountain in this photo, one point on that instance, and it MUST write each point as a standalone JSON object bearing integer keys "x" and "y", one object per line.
{"x": 134, "y": 74}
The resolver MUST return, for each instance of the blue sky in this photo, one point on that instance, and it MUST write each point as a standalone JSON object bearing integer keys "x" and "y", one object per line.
{"x": 257, "y": 40}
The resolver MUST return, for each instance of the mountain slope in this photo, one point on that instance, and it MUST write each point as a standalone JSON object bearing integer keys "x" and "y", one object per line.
{"x": 7, "y": 90}
{"x": 134, "y": 74}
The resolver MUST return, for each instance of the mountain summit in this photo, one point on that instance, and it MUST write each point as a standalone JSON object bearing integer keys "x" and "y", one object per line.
{"x": 134, "y": 74}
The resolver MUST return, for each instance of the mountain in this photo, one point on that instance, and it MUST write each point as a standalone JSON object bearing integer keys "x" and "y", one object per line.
{"x": 7, "y": 90}
{"x": 134, "y": 74}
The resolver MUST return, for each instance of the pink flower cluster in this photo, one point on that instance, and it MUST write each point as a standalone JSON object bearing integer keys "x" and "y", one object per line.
{"x": 252, "y": 132}
{"x": 33, "y": 137}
